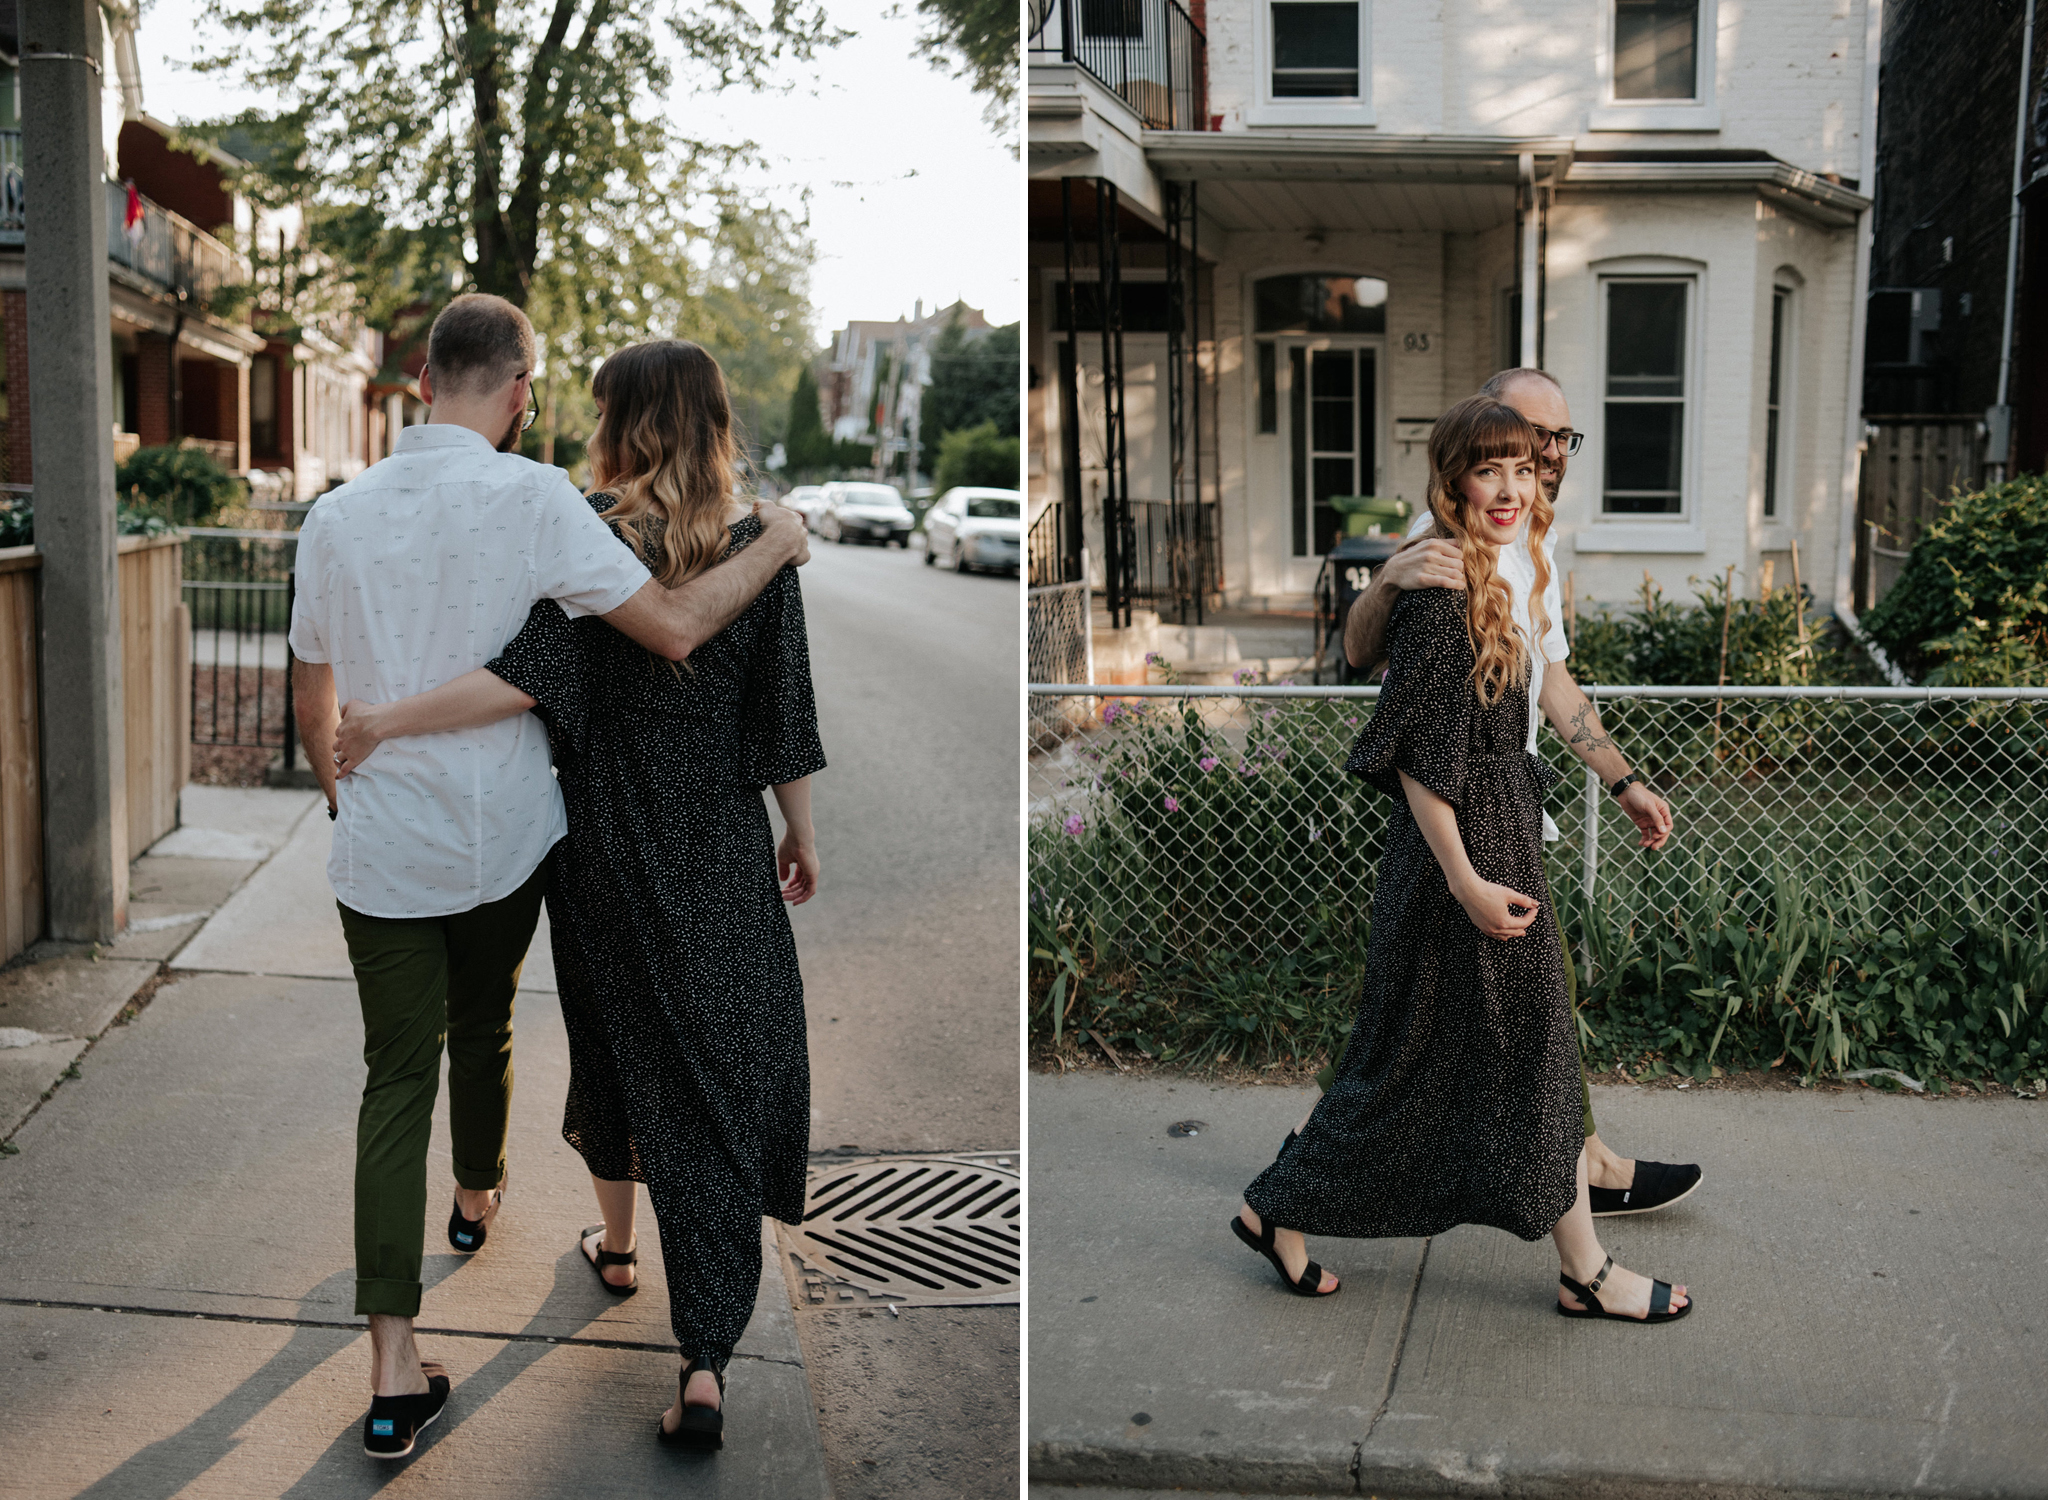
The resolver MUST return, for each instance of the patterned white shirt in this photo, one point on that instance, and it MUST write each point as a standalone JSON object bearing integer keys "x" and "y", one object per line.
{"x": 1518, "y": 570}
{"x": 417, "y": 571}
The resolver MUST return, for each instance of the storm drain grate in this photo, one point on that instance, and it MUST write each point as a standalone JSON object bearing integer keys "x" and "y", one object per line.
{"x": 940, "y": 1231}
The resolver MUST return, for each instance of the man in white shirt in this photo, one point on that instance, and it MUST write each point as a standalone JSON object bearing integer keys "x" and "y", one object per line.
{"x": 411, "y": 575}
{"x": 1617, "y": 1184}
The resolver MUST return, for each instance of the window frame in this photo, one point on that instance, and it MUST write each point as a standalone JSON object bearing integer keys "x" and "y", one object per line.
{"x": 1267, "y": 109}
{"x": 1699, "y": 113}
{"x": 1683, "y": 522}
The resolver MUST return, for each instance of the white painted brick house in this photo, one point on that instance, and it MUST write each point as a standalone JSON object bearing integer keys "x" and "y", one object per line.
{"x": 1376, "y": 203}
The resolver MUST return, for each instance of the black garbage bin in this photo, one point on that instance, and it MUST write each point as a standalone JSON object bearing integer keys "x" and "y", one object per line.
{"x": 1345, "y": 572}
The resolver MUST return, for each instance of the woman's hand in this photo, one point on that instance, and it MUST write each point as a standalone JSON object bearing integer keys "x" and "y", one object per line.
{"x": 358, "y": 735}
{"x": 1649, "y": 812}
{"x": 1491, "y": 906}
{"x": 796, "y": 864}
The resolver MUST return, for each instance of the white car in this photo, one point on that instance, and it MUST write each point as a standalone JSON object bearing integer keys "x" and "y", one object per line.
{"x": 865, "y": 513}
{"x": 975, "y": 528}
{"x": 808, "y": 501}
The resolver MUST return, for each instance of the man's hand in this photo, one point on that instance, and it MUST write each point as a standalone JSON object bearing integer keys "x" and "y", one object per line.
{"x": 1426, "y": 563}
{"x": 1649, "y": 812}
{"x": 358, "y": 735}
{"x": 787, "y": 526}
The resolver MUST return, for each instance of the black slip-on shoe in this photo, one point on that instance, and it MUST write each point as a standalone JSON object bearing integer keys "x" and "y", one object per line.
{"x": 467, "y": 1236}
{"x": 1657, "y": 1185}
{"x": 395, "y": 1422}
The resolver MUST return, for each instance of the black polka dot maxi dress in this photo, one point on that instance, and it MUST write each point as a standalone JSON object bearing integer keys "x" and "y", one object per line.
{"x": 672, "y": 946}
{"x": 1457, "y": 1101}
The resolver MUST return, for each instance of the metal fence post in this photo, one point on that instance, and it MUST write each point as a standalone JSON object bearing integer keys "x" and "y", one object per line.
{"x": 291, "y": 722}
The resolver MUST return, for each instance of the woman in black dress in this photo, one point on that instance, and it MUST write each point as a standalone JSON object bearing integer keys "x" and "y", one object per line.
{"x": 672, "y": 945}
{"x": 1457, "y": 1101}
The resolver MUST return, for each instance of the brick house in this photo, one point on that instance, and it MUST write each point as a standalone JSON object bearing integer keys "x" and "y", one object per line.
{"x": 1308, "y": 227}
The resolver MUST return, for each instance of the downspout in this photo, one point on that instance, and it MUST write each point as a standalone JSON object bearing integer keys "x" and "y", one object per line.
{"x": 1852, "y": 425}
{"x": 2001, "y": 415}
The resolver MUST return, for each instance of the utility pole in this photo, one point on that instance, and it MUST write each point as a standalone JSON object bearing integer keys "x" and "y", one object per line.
{"x": 71, "y": 419}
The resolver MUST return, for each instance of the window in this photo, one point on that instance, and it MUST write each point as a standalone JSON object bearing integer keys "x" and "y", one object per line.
{"x": 1656, "y": 49}
{"x": 1269, "y": 387}
{"x": 1773, "y": 402}
{"x": 1645, "y": 396}
{"x": 1146, "y": 306}
{"x": 991, "y": 508}
{"x": 1118, "y": 19}
{"x": 1319, "y": 304}
{"x": 1315, "y": 50}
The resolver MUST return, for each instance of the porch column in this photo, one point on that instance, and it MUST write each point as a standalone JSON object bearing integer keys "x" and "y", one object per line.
{"x": 1525, "y": 172}
{"x": 71, "y": 420}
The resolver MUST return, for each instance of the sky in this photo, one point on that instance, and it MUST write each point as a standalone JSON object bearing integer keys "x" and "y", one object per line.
{"x": 911, "y": 195}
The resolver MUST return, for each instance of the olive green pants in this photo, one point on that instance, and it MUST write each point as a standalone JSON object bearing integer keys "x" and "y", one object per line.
{"x": 426, "y": 982}
{"x": 1571, "y": 988}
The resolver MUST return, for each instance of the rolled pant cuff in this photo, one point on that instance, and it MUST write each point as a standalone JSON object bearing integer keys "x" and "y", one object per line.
{"x": 383, "y": 1295}
{"x": 479, "y": 1179}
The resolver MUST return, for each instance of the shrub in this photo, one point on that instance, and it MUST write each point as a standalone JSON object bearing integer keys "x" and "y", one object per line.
{"x": 1775, "y": 641}
{"x": 1971, "y": 607}
{"x": 185, "y": 485}
{"x": 18, "y": 523}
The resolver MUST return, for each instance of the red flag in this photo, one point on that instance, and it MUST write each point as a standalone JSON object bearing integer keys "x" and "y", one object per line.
{"x": 131, "y": 219}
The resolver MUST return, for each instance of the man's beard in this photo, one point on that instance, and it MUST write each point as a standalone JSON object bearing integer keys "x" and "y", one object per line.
{"x": 1551, "y": 480}
{"x": 509, "y": 443}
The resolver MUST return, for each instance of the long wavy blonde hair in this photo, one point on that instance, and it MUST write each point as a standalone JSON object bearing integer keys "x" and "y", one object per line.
{"x": 666, "y": 451}
{"x": 1477, "y": 429}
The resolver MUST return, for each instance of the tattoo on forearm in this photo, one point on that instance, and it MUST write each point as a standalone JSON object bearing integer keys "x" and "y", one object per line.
{"x": 1589, "y": 735}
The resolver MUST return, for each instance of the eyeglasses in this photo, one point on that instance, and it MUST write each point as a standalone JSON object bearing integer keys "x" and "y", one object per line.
{"x": 1567, "y": 440}
{"x": 532, "y": 413}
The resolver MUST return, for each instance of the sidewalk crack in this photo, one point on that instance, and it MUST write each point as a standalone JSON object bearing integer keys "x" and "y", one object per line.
{"x": 1394, "y": 1369}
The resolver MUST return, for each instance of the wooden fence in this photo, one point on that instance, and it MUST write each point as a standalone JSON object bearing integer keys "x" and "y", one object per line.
{"x": 1910, "y": 466}
{"x": 155, "y": 677}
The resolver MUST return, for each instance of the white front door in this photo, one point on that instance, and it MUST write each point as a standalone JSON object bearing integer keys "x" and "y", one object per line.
{"x": 1329, "y": 420}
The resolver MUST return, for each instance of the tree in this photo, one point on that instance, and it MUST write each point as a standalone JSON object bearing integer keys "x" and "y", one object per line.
{"x": 526, "y": 148}
{"x": 977, "y": 40}
{"x": 805, "y": 442}
{"x": 977, "y": 456}
{"x": 972, "y": 383}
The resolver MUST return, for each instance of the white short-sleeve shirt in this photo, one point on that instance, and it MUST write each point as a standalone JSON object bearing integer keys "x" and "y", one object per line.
{"x": 1518, "y": 570}
{"x": 417, "y": 571}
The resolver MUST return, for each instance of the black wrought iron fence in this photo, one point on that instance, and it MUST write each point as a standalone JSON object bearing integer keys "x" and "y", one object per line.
{"x": 1176, "y": 550}
{"x": 238, "y": 590}
{"x": 1148, "y": 52}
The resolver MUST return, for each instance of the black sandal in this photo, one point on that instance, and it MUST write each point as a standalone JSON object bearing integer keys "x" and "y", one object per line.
{"x": 1308, "y": 1284}
{"x": 1661, "y": 1310}
{"x": 468, "y": 1235}
{"x": 702, "y": 1427}
{"x": 608, "y": 1258}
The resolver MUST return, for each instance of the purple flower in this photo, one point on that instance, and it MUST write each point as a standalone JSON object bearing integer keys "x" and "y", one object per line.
{"x": 1112, "y": 711}
{"x": 1073, "y": 825}
{"x": 1243, "y": 676}
{"x": 1172, "y": 803}
{"x": 1154, "y": 659}
{"x": 1208, "y": 763}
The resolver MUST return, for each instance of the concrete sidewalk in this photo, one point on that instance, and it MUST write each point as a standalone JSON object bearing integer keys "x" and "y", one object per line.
{"x": 1869, "y": 1323}
{"x": 176, "y": 1278}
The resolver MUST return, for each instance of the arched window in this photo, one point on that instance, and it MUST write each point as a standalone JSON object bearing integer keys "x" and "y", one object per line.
{"x": 1314, "y": 303}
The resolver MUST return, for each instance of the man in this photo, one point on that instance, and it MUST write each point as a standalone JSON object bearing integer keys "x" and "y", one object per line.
{"x": 1618, "y": 1185}
{"x": 414, "y": 573}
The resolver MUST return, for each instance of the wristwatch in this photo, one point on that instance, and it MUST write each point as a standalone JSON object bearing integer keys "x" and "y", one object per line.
{"x": 1623, "y": 785}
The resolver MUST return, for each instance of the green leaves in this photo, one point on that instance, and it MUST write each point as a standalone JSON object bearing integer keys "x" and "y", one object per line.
{"x": 1971, "y": 606}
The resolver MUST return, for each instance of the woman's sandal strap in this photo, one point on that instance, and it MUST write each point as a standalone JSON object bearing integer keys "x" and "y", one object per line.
{"x": 1660, "y": 1298}
{"x": 1597, "y": 1282}
{"x": 615, "y": 1258}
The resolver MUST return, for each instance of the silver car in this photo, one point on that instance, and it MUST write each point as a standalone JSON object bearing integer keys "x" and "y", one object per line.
{"x": 808, "y": 501}
{"x": 865, "y": 513}
{"x": 975, "y": 528}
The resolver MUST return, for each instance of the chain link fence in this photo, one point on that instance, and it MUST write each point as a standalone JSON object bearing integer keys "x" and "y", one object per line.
{"x": 1197, "y": 823}
{"x": 1059, "y": 647}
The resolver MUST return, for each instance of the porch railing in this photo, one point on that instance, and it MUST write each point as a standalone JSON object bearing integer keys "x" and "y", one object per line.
{"x": 169, "y": 249}
{"x": 13, "y": 189}
{"x": 1147, "y": 52}
{"x": 1176, "y": 551}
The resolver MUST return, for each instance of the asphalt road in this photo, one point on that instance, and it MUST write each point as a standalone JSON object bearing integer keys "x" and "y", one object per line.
{"x": 910, "y": 955}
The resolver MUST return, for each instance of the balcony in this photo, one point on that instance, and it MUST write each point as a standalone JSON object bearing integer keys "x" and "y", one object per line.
{"x": 169, "y": 254}
{"x": 1147, "y": 52}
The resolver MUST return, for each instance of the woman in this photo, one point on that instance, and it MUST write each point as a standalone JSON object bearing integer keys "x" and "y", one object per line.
{"x": 1457, "y": 1100}
{"x": 672, "y": 947}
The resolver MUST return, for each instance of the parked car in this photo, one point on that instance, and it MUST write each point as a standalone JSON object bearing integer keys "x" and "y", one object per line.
{"x": 975, "y": 528}
{"x": 865, "y": 513}
{"x": 808, "y": 501}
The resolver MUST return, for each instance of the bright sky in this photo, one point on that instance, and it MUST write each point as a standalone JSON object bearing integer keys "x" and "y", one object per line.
{"x": 911, "y": 195}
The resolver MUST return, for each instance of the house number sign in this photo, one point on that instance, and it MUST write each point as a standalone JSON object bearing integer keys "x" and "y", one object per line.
{"x": 1415, "y": 343}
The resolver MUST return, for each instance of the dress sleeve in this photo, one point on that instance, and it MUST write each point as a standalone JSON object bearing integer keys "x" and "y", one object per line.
{"x": 545, "y": 662}
{"x": 779, "y": 716}
{"x": 1423, "y": 721}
